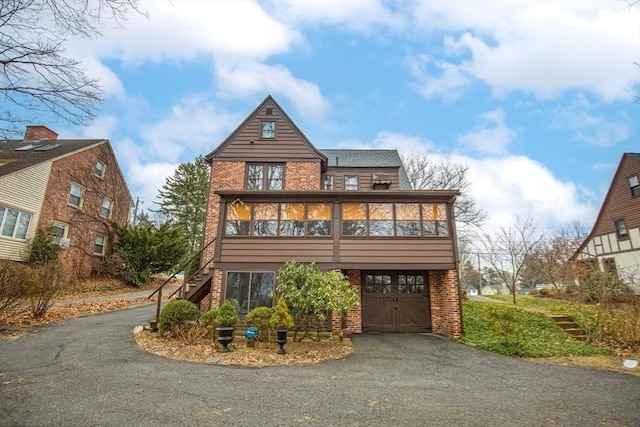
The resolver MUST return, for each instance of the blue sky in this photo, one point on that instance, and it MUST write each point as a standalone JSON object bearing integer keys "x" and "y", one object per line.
{"x": 535, "y": 97}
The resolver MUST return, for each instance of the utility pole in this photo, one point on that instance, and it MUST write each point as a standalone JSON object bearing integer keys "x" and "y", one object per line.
{"x": 135, "y": 211}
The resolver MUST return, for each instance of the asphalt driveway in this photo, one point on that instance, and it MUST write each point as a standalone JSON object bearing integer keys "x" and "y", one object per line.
{"x": 89, "y": 372}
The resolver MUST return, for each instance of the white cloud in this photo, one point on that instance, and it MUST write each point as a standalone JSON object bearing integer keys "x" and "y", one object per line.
{"x": 144, "y": 180}
{"x": 538, "y": 47}
{"x": 359, "y": 16}
{"x": 586, "y": 127}
{"x": 437, "y": 78}
{"x": 247, "y": 78}
{"x": 184, "y": 30}
{"x": 193, "y": 127}
{"x": 491, "y": 136}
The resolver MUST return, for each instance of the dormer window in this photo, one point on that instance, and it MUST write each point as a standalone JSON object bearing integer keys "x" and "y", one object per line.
{"x": 351, "y": 183}
{"x": 268, "y": 130}
{"x": 328, "y": 182}
{"x": 634, "y": 185}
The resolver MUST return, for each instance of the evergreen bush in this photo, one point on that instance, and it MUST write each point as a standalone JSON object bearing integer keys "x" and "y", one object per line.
{"x": 259, "y": 318}
{"x": 177, "y": 314}
{"x": 226, "y": 315}
{"x": 281, "y": 319}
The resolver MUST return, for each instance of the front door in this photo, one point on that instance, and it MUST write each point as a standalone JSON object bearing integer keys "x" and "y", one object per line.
{"x": 395, "y": 302}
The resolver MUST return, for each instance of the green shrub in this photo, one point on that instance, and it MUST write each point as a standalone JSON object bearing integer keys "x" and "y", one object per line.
{"x": 177, "y": 314}
{"x": 208, "y": 320}
{"x": 42, "y": 249}
{"x": 281, "y": 319}
{"x": 259, "y": 317}
{"x": 226, "y": 315}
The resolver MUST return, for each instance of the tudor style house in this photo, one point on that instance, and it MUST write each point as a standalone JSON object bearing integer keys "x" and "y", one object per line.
{"x": 613, "y": 245}
{"x": 74, "y": 186}
{"x": 274, "y": 197}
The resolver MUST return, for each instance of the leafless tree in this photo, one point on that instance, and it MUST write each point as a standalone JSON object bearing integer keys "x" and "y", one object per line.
{"x": 509, "y": 249}
{"x": 552, "y": 257}
{"x": 427, "y": 174}
{"x": 36, "y": 76}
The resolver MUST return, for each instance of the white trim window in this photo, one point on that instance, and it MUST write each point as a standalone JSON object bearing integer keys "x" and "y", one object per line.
{"x": 76, "y": 195}
{"x": 60, "y": 233}
{"x": 100, "y": 169}
{"x": 105, "y": 210}
{"x": 14, "y": 223}
{"x": 100, "y": 244}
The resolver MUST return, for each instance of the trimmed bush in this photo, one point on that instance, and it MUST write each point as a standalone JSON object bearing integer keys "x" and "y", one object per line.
{"x": 281, "y": 319}
{"x": 259, "y": 318}
{"x": 208, "y": 320}
{"x": 226, "y": 315}
{"x": 177, "y": 314}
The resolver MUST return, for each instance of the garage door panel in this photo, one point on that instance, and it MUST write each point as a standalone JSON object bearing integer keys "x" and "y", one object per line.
{"x": 412, "y": 314}
{"x": 378, "y": 316}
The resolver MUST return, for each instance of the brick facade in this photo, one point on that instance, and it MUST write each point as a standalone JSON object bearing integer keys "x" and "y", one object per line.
{"x": 354, "y": 317}
{"x": 86, "y": 222}
{"x": 446, "y": 318}
{"x": 302, "y": 176}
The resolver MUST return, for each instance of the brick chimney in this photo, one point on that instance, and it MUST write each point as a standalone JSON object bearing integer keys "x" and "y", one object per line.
{"x": 38, "y": 132}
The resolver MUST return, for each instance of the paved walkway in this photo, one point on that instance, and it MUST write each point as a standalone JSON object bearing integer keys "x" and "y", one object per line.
{"x": 89, "y": 371}
{"x": 129, "y": 296}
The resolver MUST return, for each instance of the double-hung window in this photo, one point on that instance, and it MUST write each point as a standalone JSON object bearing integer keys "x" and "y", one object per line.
{"x": 265, "y": 176}
{"x": 351, "y": 182}
{"x": 268, "y": 129}
{"x": 100, "y": 168}
{"x": 14, "y": 223}
{"x": 105, "y": 210}
{"x": 76, "y": 195}
{"x": 100, "y": 244}
{"x": 634, "y": 185}
{"x": 621, "y": 229}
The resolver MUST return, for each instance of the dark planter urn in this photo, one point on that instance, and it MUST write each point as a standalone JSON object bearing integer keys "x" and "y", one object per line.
{"x": 225, "y": 336}
{"x": 281, "y": 340}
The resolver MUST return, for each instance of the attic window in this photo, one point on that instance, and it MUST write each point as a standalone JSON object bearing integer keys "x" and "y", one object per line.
{"x": 621, "y": 229}
{"x": 634, "y": 185}
{"x": 28, "y": 147}
{"x": 268, "y": 130}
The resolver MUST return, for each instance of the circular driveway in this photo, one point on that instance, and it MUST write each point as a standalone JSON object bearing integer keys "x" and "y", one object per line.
{"x": 89, "y": 372}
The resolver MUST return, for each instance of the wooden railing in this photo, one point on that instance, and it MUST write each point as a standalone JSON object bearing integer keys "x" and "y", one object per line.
{"x": 182, "y": 288}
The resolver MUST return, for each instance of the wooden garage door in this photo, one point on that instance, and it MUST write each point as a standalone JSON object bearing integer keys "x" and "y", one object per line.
{"x": 395, "y": 302}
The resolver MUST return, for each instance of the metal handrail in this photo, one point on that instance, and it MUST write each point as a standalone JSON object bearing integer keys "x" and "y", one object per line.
{"x": 193, "y": 276}
{"x": 183, "y": 267}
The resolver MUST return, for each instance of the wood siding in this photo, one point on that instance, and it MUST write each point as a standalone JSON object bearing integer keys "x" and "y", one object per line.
{"x": 365, "y": 177}
{"x": 278, "y": 250}
{"x": 397, "y": 251}
{"x": 23, "y": 190}
{"x": 247, "y": 145}
{"x": 619, "y": 203}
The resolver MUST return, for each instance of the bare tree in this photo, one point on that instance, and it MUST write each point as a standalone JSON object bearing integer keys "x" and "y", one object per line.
{"x": 426, "y": 174}
{"x": 36, "y": 76}
{"x": 552, "y": 258}
{"x": 509, "y": 249}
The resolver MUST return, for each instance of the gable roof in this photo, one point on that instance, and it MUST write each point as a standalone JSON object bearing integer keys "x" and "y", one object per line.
{"x": 267, "y": 101}
{"x": 42, "y": 151}
{"x": 634, "y": 157}
{"x": 367, "y": 159}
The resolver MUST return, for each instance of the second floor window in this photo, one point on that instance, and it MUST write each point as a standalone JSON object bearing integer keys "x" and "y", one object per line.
{"x": 265, "y": 176}
{"x": 351, "y": 182}
{"x": 621, "y": 228}
{"x": 76, "y": 195}
{"x": 105, "y": 211}
{"x": 634, "y": 185}
{"x": 328, "y": 182}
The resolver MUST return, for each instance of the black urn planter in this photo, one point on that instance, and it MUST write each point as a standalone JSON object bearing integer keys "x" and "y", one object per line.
{"x": 281, "y": 340}
{"x": 225, "y": 336}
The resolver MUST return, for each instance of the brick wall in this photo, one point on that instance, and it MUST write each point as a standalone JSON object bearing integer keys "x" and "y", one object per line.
{"x": 86, "y": 222}
{"x": 446, "y": 318}
{"x": 223, "y": 176}
{"x": 302, "y": 176}
{"x": 354, "y": 316}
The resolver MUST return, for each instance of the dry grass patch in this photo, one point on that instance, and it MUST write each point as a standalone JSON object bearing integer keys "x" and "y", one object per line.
{"x": 609, "y": 363}
{"x": 262, "y": 355}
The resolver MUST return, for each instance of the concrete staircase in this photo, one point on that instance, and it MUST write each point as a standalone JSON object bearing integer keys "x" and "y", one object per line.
{"x": 567, "y": 324}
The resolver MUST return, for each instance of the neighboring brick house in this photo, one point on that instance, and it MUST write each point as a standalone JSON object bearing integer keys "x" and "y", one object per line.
{"x": 274, "y": 197}
{"x": 74, "y": 186}
{"x": 613, "y": 244}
